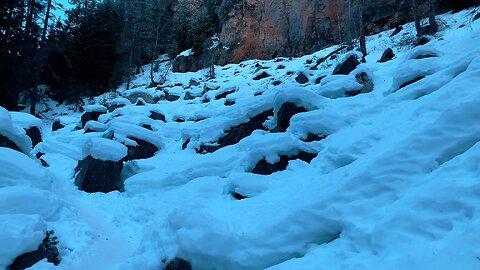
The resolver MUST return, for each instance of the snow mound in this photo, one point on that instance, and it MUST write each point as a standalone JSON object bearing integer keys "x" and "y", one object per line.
{"x": 104, "y": 149}
{"x": 14, "y": 133}
{"x": 27, "y": 204}
{"x": 25, "y": 120}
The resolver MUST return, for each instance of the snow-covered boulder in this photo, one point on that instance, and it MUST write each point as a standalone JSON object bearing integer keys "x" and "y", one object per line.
{"x": 20, "y": 234}
{"x": 141, "y": 142}
{"x": 17, "y": 169}
{"x": 11, "y": 135}
{"x": 147, "y": 95}
{"x": 116, "y": 103}
{"x": 46, "y": 250}
{"x": 92, "y": 112}
{"x": 27, "y": 205}
{"x": 338, "y": 85}
{"x": 31, "y": 125}
{"x": 100, "y": 170}
{"x": 347, "y": 66}
{"x": 235, "y": 134}
{"x": 363, "y": 79}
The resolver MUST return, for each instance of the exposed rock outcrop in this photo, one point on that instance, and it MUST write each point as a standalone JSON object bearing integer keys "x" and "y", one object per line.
{"x": 35, "y": 135}
{"x": 347, "y": 66}
{"x": 302, "y": 78}
{"x": 94, "y": 175}
{"x": 142, "y": 150}
{"x": 237, "y": 133}
{"x": 57, "y": 125}
{"x": 89, "y": 116}
{"x": 387, "y": 55}
{"x": 157, "y": 116}
{"x": 47, "y": 249}
{"x": 260, "y": 29}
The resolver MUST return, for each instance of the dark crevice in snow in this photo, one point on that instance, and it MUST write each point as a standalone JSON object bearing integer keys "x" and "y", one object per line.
{"x": 185, "y": 144}
{"x": 43, "y": 162}
{"x": 238, "y": 196}
{"x": 411, "y": 82}
{"x": 311, "y": 137}
{"x": 178, "y": 264}
{"x": 260, "y": 76}
{"x": 179, "y": 120}
{"x": 146, "y": 126}
{"x": 424, "y": 56}
{"x": 265, "y": 168}
{"x": 285, "y": 114}
{"x": 229, "y": 102}
{"x": 225, "y": 94}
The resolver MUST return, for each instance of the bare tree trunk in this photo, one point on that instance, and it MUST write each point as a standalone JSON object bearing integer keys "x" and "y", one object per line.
{"x": 362, "y": 38}
{"x": 130, "y": 58}
{"x": 431, "y": 17}
{"x": 33, "y": 99}
{"x": 29, "y": 20}
{"x": 45, "y": 23}
{"x": 129, "y": 69}
{"x": 349, "y": 26}
{"x": 155, "y": 48}
{"x": 417, "y": 18}
{"x": 363, "y": 43}
{"x": 212, "y": 66}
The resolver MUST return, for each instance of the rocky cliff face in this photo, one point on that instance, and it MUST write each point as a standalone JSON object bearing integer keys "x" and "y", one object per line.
{"x": 265, "y": 29}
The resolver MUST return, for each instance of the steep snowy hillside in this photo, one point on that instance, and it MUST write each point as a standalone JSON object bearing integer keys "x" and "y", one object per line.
{"x": 271, "y": 165}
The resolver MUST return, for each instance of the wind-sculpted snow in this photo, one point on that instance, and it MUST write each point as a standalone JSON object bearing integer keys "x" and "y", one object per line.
{"x": 377, "y": 169}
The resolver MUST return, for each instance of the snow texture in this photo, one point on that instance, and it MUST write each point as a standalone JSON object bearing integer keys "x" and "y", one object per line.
{"x": 394, "y": 185}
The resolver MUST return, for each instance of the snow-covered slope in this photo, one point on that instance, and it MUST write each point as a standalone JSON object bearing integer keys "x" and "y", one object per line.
{"x": 394, "y": 183}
